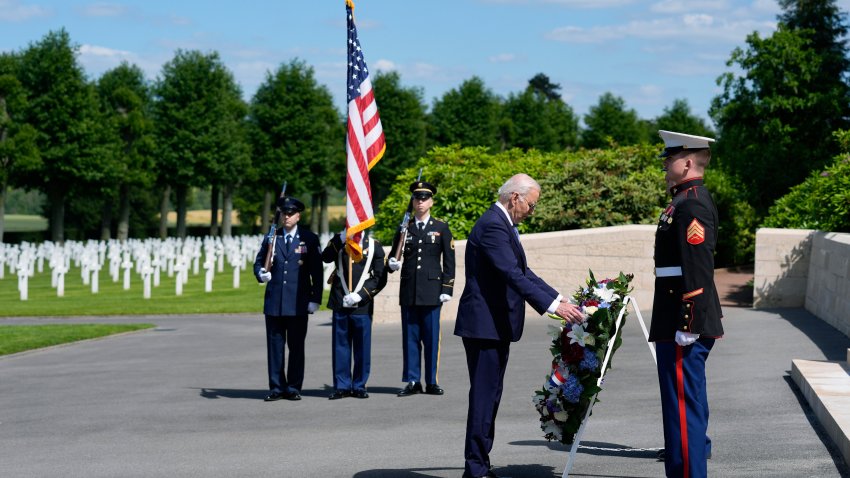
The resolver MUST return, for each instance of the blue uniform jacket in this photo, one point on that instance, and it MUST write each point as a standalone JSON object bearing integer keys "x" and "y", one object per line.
{"x": 296, "y": 275}
{"x": 498, "y": 282}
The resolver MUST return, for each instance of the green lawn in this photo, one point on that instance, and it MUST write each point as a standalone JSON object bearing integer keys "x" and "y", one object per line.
{"x": 114, "y": 300}
{"x": 24, "y": 223}
{"x": 18, "y": 338}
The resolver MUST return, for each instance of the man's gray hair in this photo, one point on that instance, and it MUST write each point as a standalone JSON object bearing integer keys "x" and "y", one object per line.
{"x": 518, "y": 183}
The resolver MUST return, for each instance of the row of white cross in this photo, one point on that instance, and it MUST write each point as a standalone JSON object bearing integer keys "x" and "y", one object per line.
{"x": 147, "y": 258}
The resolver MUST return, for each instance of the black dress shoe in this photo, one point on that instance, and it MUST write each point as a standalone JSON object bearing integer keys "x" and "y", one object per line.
{"x": 274, "y": 396}
{"x": 292, "y": 396}
{"x": 412, "y": 388}
{"x": 339, "y": 394}
{"x": 360, "y": 394}
{"x": 434, "y": 389}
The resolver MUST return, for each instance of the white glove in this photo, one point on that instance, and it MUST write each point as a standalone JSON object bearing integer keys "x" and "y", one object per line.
{"x": 312, "y": 307}
{"x": 445, "y": 298}
{"x": 394, "y": 264}
{"x": 265, "y": 276}
{"x": 685, "y": 338}
{"x": 351, "y": 300}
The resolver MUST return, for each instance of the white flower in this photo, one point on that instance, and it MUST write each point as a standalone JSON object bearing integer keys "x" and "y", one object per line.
{"x": 606, "y": 294}
{"x": 553, "y": 428}
{"x": 560, "y": 416}
{"x": 555, "y": 331}
{"x": 590, "y": 310}
{"x": 579, "y": 336}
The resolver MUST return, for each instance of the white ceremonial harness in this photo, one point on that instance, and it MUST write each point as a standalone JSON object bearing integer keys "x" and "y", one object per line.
{"x": 366, "y": 269}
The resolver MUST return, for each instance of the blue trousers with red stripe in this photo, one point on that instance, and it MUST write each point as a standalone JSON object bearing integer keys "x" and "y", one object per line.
{"x": 684, "y": 407}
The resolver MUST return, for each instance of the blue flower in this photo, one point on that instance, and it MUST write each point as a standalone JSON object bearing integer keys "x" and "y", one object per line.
{"x": 572, "y": 389}
{"x": 605, "y": 305}
{"x": 589, "y": 362}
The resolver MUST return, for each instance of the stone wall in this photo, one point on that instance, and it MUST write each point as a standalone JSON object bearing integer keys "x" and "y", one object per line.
{"x": 562, "y": 259}
{"x": 782, "y": 267}
{"x": 828, "y": 290}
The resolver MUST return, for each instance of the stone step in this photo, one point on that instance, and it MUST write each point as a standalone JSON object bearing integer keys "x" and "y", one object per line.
{"x": 826, "y": 386}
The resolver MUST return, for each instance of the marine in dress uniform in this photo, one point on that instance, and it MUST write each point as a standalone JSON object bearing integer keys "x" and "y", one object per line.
{"x": 293, "y": 290}
{"x": 352, "y": 313}
{"x": 426, "y": 283}
{"x": 686, "y": 310}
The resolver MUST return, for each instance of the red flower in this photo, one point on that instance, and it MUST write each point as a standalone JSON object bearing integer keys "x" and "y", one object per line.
{"x": 570, "y": 353}
{"x": 591, "y": 303}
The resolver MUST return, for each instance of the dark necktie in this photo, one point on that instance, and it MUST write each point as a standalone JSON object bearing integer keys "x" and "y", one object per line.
{"x": 288, "y": 242}
{"x": 421, "y": 226}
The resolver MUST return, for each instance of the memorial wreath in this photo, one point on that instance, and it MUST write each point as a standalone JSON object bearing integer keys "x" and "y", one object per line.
{"x": 578, "y": 352}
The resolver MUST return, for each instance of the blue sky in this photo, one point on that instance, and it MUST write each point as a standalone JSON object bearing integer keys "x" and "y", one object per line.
{"x": 648, "y": 52}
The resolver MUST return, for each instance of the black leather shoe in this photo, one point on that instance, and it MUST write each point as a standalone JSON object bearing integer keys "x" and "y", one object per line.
{"x": 339, "y": 394}
{"x": 292, "y": 396}
{"x": 412, "y": 388}
{"x": 434, "y": 389}
{"x": 360, "y": 394}
{"x": 274, "y": 396}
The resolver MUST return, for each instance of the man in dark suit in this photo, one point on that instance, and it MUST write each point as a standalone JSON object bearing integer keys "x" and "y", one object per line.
{"x": 491, "y": 313}
{"x": 293, "y": 290}
{"x": 686, "y": 309}
{"x": 427, "y": 281}
{"x": 353, "y": 305}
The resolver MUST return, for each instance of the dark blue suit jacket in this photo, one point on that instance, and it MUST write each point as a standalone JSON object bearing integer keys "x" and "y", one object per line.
{"x": 296, "y": 274}
{"x": 498, "y": 282}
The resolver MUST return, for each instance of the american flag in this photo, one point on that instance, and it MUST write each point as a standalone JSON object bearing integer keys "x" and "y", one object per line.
{"x": 364, "y": 145}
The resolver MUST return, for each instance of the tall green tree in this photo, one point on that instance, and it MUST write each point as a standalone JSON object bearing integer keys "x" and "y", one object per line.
{"x": 404, "y": 120}
{"x": 467, "y": 116}
{"x": 126, "y": 100}
{"x": 610, "y": 120}
{"x": 196, "y": 99}
{"x": 297, "y": 136}
{"x": 678, "y": 117}
{"x": 63, "y": 107}
{"x": 776, "y": 116}
{"x": 18, "y": 153}
{"x": 538, "y": 118}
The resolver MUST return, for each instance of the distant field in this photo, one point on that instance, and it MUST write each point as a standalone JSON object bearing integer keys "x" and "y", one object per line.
{"x": 29, "y": 223}
{"x": 25, "y": 223}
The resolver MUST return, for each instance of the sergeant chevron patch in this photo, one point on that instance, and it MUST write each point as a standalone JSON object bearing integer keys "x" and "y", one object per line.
{"x": 696, "y": 232}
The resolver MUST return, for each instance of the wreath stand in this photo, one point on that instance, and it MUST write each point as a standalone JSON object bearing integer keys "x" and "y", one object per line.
{"x": 610, "y": 350}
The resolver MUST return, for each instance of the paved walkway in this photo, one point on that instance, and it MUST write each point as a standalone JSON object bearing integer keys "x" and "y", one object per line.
{"x": 185, "y": 400}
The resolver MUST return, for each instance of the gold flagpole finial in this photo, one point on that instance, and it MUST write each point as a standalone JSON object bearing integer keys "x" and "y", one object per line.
{"x": 349, "y": 4}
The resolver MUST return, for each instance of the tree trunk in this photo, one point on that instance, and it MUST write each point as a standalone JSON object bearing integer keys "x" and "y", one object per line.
{"x": 163, "y": 212}
{"x": 324, "y": 220}
{"x": 214, "y": 211}
{"x": 57, "y": 214}
{"x": 123, "y": 232}
{"x": 181, "y": 192}
{"x": 3, "y": 188}
{"x": 315, "y": 212}
{"x": 227, "y": 210}
{"x": 265, "y": 220}
{"x": 106, "y": 220}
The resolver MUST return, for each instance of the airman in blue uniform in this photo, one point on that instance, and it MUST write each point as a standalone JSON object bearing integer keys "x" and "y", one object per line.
{"x": 293, "y": 290}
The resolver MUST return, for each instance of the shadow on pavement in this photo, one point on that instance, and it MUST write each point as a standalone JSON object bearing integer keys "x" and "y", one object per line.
{"x": 827, "y": 338}
{"x": 231, "y": 393}
{"x": 405, "y": 473}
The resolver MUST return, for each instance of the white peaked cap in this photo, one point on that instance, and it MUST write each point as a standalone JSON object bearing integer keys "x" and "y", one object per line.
{"x": 675, "y": 142}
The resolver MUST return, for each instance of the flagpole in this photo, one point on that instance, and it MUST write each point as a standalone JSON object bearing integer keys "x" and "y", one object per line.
{"x": 350, "y": 267}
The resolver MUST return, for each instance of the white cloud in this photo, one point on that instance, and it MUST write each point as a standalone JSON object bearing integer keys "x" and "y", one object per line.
{"x": 683, "y": 6}
{"x": 103, "y": 9}
{"x": 697, "y": 28}
{"x": 503, "y": 58}
{"x": 384, "y": 65}
{"x": 15, "y": 11}
{"x": 94, "y": 50}
{"x": 586, "y": 4}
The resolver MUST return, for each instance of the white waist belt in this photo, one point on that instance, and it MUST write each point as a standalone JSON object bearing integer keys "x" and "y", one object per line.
{"x": 668, "y": 271}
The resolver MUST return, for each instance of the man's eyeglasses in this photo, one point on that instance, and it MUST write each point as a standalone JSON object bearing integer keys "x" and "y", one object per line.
{"x": 531, "y": 205}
